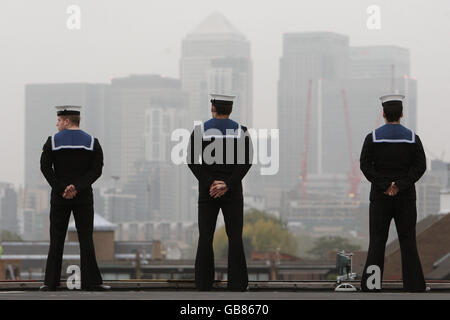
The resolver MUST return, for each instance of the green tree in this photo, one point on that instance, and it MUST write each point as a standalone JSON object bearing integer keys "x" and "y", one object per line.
{"x": 253, "y": 215}
{"x": 262, "y": 232}
{"x": 324, "y": 245}
{"x": 6, "y": 235}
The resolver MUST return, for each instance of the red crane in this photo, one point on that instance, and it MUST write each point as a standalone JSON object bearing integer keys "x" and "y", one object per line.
{"x": 304, "y": 165}
{"x": 354, "y": 176}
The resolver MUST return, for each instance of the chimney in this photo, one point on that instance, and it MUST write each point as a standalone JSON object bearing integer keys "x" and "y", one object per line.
{"x": 156, "y": 250}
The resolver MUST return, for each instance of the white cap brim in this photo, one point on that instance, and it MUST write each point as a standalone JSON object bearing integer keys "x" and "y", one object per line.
{"x": 68, "y": 108}
{"x": 392, "y": 97}
{"x": 222, "y": 97}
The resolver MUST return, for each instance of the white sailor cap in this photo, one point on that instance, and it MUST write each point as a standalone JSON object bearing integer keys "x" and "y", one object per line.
{"x": 222, "y": 99}
{"x": 68, "y": 110}
{"x": 392, "y": 99}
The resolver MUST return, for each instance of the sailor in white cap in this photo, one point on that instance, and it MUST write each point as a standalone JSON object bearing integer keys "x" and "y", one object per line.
{"x": 226, "y": 152}
{"x": 71, "y": 161}
{"x": 393, "y": 160}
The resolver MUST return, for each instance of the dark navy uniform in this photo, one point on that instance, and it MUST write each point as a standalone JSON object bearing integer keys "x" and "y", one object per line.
{"x": 393, "y": 153}
{"x": 232, "y": 160}
{"x": 72, "y": 157}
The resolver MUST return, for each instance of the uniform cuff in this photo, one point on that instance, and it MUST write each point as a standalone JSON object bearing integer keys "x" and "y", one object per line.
{"x": 228, "y": 183}
{"x": 384, "y": 185}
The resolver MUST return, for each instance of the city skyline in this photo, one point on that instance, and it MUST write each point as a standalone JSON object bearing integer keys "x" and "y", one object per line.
{"x": 306, "y": 80}
{"x": 264, "y": 100}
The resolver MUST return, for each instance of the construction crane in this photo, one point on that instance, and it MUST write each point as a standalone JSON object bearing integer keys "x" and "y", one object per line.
{"x": 354, "y": 176}
{"x": 304, "y": 164}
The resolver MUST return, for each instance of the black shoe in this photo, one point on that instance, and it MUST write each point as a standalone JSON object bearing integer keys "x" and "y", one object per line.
{"x": 245, "y": 289}
{"x": 370, "y": 290}
{"x": 98, "y": 287}
{"x": 46, "y": 288}
{"x": 427, "y": 289}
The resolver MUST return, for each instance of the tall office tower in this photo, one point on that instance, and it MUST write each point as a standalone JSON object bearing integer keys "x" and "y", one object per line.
{"x": 129, "y": 100}
{"x": 387, "y": 70}
{"x": 215, "y": 57}
{"x": 162, "y": 186}
{"x": 390, "y": 62}
{"x": 8, "y": 208}
{"x": 40, "y": 118}
{"x": 145, "y": 110}
{"x": 308, "y": 60}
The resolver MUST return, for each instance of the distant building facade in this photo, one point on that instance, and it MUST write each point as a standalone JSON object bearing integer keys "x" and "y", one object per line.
{"x": 129, "y": 100}
{"x": 307, "y": 59}
{"x": 8, "y": 209}
{"x": 328, "y": 101}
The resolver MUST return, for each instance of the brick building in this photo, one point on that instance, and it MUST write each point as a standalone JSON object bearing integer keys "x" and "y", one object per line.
{"x": 433, "y": 243}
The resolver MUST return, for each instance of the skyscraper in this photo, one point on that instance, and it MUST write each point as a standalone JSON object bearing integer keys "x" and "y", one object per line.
{"x": 328, "y": 100}
{"x": 215, "y": 57}
{"x": 145, "y": 110}
{"x": 129, "y": 100}
{"x": 385, "y": 69}
{"x": 308, "y": 59}
{"x": 389, "y": 62}
{"x": 162, "y": 187}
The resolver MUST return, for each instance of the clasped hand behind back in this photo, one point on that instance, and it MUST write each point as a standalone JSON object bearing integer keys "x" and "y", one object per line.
{"x": 218, "y": 189}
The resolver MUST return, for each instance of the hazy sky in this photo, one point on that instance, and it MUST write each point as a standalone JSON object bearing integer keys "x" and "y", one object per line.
{"x": 121, "y": 37}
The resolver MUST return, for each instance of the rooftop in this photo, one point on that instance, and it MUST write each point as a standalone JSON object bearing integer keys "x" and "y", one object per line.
{"x": 215, "y": 23}
{"x": 100, "y": 224}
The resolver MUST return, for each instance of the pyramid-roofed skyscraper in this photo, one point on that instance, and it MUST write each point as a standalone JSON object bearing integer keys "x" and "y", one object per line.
{"x": 216, "y": 24}
{"x": 215, "y": 58}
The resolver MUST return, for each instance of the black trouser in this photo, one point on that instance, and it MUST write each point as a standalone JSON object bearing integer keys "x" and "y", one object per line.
{"x": 404, "y": 213}
{"x": 84, "y": 222}
{"x": 232, "y": 210}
